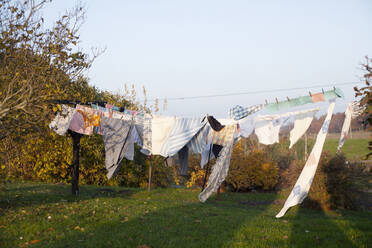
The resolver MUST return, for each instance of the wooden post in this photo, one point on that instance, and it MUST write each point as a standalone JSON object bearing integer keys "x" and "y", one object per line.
{"x": 75, "y": 165}
{"x": 150, "y": 172}
{"x": 218, "y": 193}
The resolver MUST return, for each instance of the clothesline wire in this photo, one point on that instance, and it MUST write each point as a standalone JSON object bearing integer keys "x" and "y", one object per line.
{"x": 251, "y": 92}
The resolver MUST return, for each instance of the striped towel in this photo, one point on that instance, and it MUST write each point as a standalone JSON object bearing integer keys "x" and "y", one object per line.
{"x": 199, "y": 141}
{"x": 183, "y": 131}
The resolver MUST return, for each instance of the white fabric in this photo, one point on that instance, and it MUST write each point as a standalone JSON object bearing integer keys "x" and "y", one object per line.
{"x": 352, "y": 111}
{"x": 302, "y": 186}
{"x": 160, "y": 128}
{"x": 62, "y": 120}
{"x": 182, "y": 132}
{"x": 301, "y": 124}
{"x": 267, "y": 126}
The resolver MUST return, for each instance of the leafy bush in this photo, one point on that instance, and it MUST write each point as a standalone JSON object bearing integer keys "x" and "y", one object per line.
{"x": 333, "y": 185}
{"x": 253, "y": 170}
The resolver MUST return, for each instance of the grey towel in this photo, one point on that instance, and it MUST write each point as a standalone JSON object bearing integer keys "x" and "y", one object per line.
{"x": 116, "y": 138}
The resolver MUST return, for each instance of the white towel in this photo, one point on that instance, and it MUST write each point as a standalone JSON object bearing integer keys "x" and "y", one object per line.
{"x": 301, "y": 124}
{"x": 160, "y": 128}
{"x": 304, "y": 181}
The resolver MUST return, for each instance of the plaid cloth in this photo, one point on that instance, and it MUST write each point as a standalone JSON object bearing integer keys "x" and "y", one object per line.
{"x": 238, "y": 112}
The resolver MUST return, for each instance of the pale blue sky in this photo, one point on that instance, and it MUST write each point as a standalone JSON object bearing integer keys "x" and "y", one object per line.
{"x": 187, "y": 48}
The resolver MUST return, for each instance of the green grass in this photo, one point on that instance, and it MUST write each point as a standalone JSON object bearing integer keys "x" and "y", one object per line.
{"x": 167, "y": 218}
{"x": 353, "y": 148}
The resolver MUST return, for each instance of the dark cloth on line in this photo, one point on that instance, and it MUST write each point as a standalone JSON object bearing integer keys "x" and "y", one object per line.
{"x": 215, "y": 124}
{"x": 216, "y": 149}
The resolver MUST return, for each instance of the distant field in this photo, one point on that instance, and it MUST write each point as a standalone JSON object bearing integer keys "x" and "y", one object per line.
{"x": 355, "y": 147}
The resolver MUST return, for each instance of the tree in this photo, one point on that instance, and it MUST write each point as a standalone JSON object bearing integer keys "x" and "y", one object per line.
{"x": 36, "y": 63}
{"x": 366, "y": 97}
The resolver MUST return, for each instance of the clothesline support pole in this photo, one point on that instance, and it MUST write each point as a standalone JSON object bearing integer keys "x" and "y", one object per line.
{"x": 150, "y": 173}
{"x": 75, "y": 165}
{"x": 218, "y": 193}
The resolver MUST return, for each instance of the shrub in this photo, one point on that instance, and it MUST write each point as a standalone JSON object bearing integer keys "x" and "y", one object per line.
{"x": 253, "y": 170}
{"x": 333, "y": 185}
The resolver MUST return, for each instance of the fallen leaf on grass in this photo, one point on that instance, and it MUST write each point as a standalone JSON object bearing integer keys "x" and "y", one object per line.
{"x": 285, "y": 236}
{"x": 29, "y": 243}
{"x": 125, "y": 220}
{"x": 285, "y": 221}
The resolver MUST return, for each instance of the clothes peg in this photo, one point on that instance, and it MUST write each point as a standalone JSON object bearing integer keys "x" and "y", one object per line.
{"x": 334, "y": 88}
{"x": 266, "y": 101}
{"x": 310, "y": 94}
{"x": 323, "y": 91}
{"x": 276, "y": 99}
{"x": 288, "y": 99}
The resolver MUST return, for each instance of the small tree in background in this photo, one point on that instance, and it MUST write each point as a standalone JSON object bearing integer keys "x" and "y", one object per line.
{"x": 366, "y": 100}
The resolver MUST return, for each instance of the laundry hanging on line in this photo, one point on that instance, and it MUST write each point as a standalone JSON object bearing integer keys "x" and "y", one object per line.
{"x": 313, "y": 98}
{"x": 267, "y": 127}
{"x": 168, "y": 136}
{"x": 304, "y": 181}
{"x": 352, "y": 111}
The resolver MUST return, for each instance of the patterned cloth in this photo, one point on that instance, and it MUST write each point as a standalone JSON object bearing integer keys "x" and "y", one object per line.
{"x": 238, "y": 112}
{"x": 222, "y": 137}
{"x": 306, "y": 177}
{"x": 62, "y": 120}
{"x": 85, "y": 119}
{"x": 220, "y": 169}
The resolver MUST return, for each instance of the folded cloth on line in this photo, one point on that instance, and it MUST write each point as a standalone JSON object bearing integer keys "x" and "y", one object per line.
{"x": 267, "y": 126}
{"x": 161, "y": 126}
{"x": 223, "y": 136}
{"x": 301, "y": 124}
{"x": 84, "y": 120}
{"x": 117, "y": 141}
{"x": 183, "y": 130}
{"x": 238, "y": 112}
{"x": 326, "y": 96}
{"x": 62, "y": 120}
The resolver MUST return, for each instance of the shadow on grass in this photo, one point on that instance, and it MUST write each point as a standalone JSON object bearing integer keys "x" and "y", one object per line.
{"x": 18, "y": 196}
{"x": 190, "y": 224}
{"x": 317, "y": 228}
{"x": 178, "y": 223}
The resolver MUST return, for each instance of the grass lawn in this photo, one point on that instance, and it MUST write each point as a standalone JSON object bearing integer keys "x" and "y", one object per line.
{"x": 45, "y": 215}
{"x": 353, "y": 148}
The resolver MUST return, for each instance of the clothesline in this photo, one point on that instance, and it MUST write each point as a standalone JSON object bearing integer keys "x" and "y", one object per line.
{"x": 251, "y": 92}
{"x": 168, "y": 136}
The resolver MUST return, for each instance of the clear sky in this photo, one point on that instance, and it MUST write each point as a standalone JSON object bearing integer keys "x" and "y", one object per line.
{"x": 206, "y": 47}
